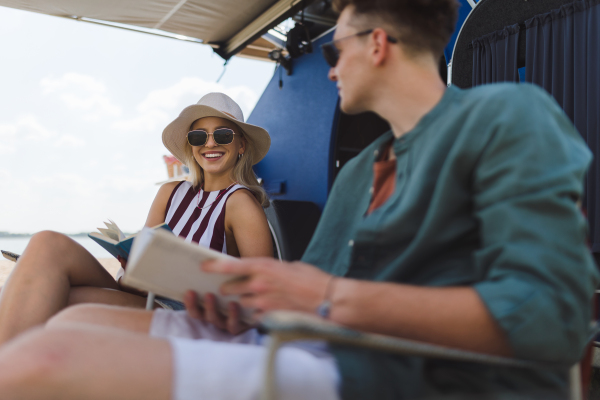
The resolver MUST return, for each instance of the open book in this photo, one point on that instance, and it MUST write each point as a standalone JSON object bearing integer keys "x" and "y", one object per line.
{"x": 165, "y": 264}
{"x": 114, "y": 240}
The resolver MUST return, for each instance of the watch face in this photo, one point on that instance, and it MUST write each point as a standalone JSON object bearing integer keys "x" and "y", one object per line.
{"x": 324, "y": 308}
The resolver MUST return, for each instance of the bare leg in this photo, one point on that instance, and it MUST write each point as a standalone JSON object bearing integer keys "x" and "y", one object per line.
{"x": 129, "y": 319}
{"x": 40, "y": 285}
{"x": 85, "y": 363}
{"x": 89, "y": 294}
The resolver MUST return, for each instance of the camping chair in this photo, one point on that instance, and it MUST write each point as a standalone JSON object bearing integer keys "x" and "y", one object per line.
{"x": 285, "y": 326}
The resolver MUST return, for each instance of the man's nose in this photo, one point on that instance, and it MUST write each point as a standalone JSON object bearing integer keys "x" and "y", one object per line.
{"x": 332, "y": 75}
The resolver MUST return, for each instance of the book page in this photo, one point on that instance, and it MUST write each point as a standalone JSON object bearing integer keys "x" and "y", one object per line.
{"x": 115, "y": 228}
{"x": 112, "y": 231}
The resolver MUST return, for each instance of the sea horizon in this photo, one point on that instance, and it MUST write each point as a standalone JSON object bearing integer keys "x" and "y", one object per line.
{"x": 17, "y": 244}
{"x": 8, "y": 235}
{"x": 14, "y": 235}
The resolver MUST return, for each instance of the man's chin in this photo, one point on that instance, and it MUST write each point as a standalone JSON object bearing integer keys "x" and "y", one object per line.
{"x": 350, "y": 107}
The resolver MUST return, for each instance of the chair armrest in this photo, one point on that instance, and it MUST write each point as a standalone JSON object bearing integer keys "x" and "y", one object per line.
{"x": 289, "y": 326}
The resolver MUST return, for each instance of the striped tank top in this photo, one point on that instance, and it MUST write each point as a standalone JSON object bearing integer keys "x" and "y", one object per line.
{"x": 199, "y": 217}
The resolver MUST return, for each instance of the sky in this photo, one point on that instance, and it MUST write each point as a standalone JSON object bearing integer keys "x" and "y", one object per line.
{"x": 82, "y": 109}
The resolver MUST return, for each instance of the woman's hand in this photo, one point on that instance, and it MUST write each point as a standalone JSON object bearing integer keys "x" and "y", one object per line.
{"x": 123, "y": 262}
{"x": 126, "y": 288}
{"x": 209, "y": 313}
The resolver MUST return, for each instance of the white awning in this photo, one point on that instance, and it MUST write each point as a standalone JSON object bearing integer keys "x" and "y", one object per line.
{"x": 228, "y": 25}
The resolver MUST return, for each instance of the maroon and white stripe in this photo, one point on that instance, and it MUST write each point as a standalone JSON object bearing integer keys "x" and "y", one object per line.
{"x": 187, "y": 217}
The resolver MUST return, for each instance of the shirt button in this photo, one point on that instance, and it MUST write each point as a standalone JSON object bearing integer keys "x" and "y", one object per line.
{"x": 376, "y": 153}
{"x": 371, "y": 190}
{"x": 351, "y": 243}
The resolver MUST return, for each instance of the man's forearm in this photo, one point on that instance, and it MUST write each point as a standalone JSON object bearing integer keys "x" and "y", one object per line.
{"x": 452, "y": 316}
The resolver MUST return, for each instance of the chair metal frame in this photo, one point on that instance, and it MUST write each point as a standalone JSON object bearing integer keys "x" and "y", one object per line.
{"x": 286, "y": 326}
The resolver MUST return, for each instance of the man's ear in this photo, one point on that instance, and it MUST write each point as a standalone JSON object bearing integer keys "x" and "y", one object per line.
{"x": 380, "y": 50}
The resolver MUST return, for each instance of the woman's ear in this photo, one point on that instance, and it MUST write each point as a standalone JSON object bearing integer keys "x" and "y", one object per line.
{"x": 242, "y": 149}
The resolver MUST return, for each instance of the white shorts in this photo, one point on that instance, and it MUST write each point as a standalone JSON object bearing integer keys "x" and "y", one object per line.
{"x": 211, "y": 364}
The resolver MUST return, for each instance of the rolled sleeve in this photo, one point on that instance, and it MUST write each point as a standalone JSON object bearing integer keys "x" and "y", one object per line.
{"x": 538, "y": 274}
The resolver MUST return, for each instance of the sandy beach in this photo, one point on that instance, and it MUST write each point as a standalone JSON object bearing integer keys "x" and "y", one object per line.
{"x": 6, "y": 266}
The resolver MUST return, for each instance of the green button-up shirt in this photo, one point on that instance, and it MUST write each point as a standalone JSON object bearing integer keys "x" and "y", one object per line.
{"x": 486, "y": 195}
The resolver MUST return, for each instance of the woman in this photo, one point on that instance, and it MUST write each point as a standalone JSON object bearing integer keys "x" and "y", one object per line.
{"x": 220, "y": 207}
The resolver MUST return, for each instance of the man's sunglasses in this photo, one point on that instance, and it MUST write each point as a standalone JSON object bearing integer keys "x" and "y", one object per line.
{"x": 199, "y": 137}
{"x": 332, "y": 54}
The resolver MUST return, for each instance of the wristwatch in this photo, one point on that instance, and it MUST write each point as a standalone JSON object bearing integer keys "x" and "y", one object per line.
{"x": 324, "y": 309}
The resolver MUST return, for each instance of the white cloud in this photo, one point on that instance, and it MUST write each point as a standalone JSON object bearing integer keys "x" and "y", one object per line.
{"x": 72, "y": 185}
{"x": 25, "y": 129}
{"x": 82, "y": 93}
{"x": 162, "y": 105}
{"x": 28, "y": 127}
{"x": 7, "y": 131}
{"x": 69, "y": 141}
{"x": 72, "y": 202}
{"x": 6, "y": 149}
{"x": 127, "y": 184}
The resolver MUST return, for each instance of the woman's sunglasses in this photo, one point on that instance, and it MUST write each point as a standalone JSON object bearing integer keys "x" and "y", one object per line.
{"x": 332, "y": 54}
{"x": 199, "y": 137}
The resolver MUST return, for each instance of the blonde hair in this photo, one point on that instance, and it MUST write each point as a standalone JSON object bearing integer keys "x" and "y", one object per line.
{"x": 242, "y": 172}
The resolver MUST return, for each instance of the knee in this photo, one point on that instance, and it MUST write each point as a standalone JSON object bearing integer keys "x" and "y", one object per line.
{"x": 49, "y": 240}
{"x": 46, "y": 249}
{"x": 36, "y": 359}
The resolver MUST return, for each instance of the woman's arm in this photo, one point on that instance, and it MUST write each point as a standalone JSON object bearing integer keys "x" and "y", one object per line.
{"x": 156, "y": 216}
{"x": 246, "y": 228}
{"x": 158, "y": 209}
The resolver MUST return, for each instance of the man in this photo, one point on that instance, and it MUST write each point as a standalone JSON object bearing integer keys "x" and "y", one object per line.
{"x": 459, "y": 227}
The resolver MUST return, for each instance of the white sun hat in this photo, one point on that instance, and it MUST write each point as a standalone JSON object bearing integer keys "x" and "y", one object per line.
{"x": 214, "y": 105}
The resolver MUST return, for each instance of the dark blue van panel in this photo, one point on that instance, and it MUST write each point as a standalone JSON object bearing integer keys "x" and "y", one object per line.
{"x": 300, "y": 119}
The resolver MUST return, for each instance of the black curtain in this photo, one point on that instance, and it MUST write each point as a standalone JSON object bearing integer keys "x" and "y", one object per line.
{"x": 563, "y": 57}
{"x": 495, "y": 57}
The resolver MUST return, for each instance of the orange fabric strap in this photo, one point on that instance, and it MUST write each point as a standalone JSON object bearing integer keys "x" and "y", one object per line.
{"x": 384, "y": 180}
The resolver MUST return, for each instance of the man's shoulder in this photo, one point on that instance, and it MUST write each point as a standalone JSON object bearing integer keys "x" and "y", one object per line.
{"x": 524, "y": 101}
{"x": 521, "y": 110}
{"x": 506, "y": 92}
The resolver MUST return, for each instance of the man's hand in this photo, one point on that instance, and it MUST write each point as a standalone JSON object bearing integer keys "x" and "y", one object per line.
{"x": 209, "y": 313}
{"x": 273, "y": 285}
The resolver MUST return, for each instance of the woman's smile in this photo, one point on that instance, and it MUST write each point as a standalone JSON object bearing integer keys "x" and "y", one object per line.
{"x": 213, "y": 155}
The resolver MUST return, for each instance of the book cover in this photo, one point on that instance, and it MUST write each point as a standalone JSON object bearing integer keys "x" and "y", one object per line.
{"x": 167, "y": 265}
{"x": 113, "y": 240}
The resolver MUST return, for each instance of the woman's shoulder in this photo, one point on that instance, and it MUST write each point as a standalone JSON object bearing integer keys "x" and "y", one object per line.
{"x": 242, "y": 197}
{"x": 243, "y": 203}
{"x": 243, "y": 210}
{"x": 169, "y": 187}
{"x": 167, "y": 190}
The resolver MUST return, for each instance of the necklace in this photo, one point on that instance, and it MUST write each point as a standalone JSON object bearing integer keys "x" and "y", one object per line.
{"x": 213, "y": 202}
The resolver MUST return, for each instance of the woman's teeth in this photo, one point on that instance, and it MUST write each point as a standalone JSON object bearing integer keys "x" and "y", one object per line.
{"x": 213, "y": 155}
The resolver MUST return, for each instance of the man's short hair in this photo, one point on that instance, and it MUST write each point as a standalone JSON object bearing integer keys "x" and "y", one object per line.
{"x": 421, "y": 25}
